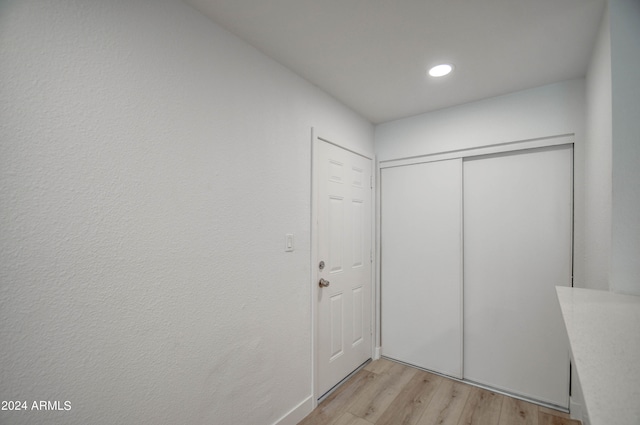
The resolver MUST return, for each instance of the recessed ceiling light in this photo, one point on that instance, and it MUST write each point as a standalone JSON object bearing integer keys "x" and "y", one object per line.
{"x": 441, "y": 70}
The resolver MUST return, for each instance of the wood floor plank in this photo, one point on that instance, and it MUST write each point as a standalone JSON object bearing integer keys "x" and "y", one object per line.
{"x": 547, "y": 419}
{"x": 447, "y": 404}
{"x": 554, "y": 412}
{"x": 410, "y": 404}
{"x": 518, "y": 412}
{"x": 380, "y": 366}
{"x": 389, "y": 393}
{"x": 483, "y": 408}
{"x": 349, "y": 419}
{"x": 376, "y": 397}
{"x": 337, "y": 403}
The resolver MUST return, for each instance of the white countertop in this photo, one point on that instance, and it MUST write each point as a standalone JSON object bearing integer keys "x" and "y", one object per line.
{"x": 604, "y": 334}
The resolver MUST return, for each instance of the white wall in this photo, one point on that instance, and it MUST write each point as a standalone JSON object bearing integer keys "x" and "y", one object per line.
{"x": 625, "y": 65}
{"x": 150, "y": 166}
{"x": 612, "y": 176}
{"x": 597, "y": 180}
{"x": 540, "y": 112}
{"x": 598, "y": 162}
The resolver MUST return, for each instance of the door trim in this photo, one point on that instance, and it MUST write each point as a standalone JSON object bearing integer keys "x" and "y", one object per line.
{"x": 543, "y": 142}
{"x": 317, "y": 136}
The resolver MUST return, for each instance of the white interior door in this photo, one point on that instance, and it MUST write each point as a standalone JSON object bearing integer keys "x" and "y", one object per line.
{"x": 421, "y": 280}
{"x": 517, "y": 248}
{"x": 344, "y": 246}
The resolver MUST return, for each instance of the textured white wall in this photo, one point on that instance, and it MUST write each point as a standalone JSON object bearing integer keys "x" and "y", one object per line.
{"x": 150, "y": 166}
{"x": 598, "y": 162}
{"x": 625, "y": 66}
{"x": 540, "y": 112}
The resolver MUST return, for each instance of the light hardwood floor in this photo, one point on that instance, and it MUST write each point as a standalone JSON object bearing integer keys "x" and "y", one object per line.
{"x": 390, "y": 393}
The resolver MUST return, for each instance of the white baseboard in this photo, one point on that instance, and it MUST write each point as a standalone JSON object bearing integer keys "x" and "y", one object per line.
{"x": 575, "y": 408}
{"x": 377, "y": 353}
{"x": 577, "y": 411}
{"x": 297, "y": 414}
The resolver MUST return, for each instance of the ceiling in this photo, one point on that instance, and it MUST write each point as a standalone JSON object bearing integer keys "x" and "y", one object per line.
{"x": 373, "y": 55}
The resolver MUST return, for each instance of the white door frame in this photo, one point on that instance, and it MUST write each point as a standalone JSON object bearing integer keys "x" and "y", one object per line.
{"x": 519, "y": 145}
{"x": 317, "y": 136}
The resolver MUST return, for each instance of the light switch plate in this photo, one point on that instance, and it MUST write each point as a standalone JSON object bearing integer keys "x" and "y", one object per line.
{"x": 288, "y": 246}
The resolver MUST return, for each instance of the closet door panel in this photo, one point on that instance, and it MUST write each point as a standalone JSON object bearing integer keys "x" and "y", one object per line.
{"x": 421, "y": 218}
{"x": 517, "y": 248}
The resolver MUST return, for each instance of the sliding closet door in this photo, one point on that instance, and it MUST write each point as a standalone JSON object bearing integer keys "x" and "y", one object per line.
{"x": 517, "y": 248}
{"x": 421, "y": 265}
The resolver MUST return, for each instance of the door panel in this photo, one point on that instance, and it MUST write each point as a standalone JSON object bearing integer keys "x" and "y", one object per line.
{"x": 344, "y": 244}
{"x": 421, "y": 281}
{"x": 517, "y": 248}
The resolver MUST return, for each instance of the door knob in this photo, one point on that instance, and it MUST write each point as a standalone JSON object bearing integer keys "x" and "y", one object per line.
{"x": 324, "y": 283}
